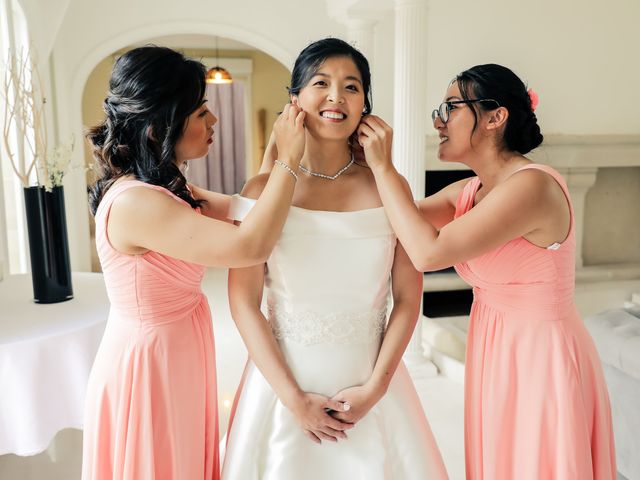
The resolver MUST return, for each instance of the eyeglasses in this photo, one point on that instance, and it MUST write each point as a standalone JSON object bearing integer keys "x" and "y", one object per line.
{"x": 444, "y": 110}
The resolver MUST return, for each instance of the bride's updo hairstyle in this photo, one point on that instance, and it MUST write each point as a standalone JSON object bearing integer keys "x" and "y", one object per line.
{"x": 152, "y": 92}
{"x": 522, "y": 133}
{"x": 313, "y": 56}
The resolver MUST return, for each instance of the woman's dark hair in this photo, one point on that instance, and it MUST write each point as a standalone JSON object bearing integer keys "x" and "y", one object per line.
{"x": 310, "y": 59}
{"x": 152, "y": 92}
{"x": 522, "y": 132}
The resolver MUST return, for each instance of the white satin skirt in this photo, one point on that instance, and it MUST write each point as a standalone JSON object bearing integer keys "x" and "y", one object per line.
{"x": 392, "y": 442}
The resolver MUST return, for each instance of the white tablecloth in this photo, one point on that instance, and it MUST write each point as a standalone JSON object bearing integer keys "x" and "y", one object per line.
{"x": 46, "y": 353}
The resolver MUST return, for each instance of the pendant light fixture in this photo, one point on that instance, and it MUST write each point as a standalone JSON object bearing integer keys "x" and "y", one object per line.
{"x": 218, "y": 74}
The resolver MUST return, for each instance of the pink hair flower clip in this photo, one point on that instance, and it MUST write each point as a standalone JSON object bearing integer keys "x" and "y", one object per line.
{"x": 534, "y": 99}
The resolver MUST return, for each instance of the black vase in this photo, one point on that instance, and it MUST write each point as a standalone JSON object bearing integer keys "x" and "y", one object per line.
{"x": 48, "y": 245}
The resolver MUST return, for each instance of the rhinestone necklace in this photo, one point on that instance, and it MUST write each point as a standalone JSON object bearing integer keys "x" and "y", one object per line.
{"x": 328, "y": 177}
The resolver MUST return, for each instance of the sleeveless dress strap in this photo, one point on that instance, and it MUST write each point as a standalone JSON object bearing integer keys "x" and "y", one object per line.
{"x": 560, "y": 180}
{"x": 118, "y": 188}
{"x": 548, "y": 170}
{"x": 466, "y": 197}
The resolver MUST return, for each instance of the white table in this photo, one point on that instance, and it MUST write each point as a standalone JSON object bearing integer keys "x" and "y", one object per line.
{"x": 46, "y": 353}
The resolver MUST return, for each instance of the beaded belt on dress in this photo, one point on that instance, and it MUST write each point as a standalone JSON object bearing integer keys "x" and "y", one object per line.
{"x": 311, "y": 328}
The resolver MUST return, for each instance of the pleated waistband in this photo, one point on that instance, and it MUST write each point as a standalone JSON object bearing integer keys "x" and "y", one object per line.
{"x": 523, "y": 299}
{"x": 160, "y": 313}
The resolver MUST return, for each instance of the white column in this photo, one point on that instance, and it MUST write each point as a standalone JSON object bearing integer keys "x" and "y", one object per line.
{"x": 360, "y": 18}
{"x": 360, "y": 34}
{"x": 4, "y": 252}
{"x": 68, "y": 115}
{"x": 410, "y": 93}
{"x": 410, "y": 127}
{"x": 579, "y": 181}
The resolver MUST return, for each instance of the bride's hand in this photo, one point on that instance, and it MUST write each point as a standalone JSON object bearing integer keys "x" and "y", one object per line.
{"x": 310, "y": 411}
{"x": 360, "y": 400}
{"x": 376, "y": 139}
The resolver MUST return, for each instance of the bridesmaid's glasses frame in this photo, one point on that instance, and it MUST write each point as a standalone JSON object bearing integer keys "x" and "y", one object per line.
{"x": 444, "y": 110}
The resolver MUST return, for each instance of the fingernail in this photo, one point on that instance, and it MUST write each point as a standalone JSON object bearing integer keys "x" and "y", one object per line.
{"x": 346, "y": 406}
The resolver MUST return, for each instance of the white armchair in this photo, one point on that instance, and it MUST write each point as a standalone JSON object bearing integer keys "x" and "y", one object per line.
{"x": 617, "y": 337}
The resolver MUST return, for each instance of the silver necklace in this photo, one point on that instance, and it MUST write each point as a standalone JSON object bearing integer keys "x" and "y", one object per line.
{"x": 328, "y": 177}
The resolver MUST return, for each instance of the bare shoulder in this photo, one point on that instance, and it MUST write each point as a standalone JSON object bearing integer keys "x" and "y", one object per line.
{"x": 535, "y": 184}
{"x": 140, "y": 212}
{"x": 139, "y": 198}
{"x": 254, "y": 186}
{"x": 144, "y": 204}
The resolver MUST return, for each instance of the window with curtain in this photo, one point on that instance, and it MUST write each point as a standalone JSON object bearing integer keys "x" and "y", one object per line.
{"x": 224, "y": 168}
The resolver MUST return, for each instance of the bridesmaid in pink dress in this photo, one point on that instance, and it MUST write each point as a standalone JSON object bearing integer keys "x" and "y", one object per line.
{"x": 151, "y": 407}
{"x": 536, "y": 404}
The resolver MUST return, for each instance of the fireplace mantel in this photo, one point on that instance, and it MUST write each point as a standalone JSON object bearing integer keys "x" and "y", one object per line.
{"x": 566, "y": 151}
{"x": 577, "y": 158}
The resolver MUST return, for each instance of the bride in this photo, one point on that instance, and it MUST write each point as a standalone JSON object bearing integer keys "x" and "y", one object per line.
{"x": 325, "y": 394}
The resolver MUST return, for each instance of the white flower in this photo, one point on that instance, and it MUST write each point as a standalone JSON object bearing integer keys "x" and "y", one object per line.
{"x": 57, "y": 164}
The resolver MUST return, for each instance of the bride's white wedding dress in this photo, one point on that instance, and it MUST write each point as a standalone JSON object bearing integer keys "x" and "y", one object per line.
{"x": 328, "y": 284}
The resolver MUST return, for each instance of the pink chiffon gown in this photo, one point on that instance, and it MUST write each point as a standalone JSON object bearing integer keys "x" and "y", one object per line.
{"x": 536, "y": 403}
{"x": 151, "y": 408}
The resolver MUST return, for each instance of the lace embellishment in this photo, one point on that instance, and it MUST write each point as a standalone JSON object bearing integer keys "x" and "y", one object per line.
{"x": 311, "y": 328}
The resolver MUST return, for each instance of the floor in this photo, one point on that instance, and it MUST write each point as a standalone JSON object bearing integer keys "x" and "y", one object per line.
{"x": 441, "y": 397}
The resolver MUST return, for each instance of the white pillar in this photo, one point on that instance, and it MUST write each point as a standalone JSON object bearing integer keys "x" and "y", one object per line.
{"x": 68, "y": 114}
{"x": 579, "y": 181}
{"x": 410, "y": 129}
{"x": 360, "y": 34}
{"x": 4, "y": 252}
{"x": 360, "y": 18}
{"x": 410, "y": 92}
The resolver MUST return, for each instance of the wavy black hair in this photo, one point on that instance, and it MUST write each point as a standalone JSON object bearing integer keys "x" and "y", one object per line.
{"x": 522, "y": 132}
{"x": 152, "y": 92}
{"x": 314, "y": 55}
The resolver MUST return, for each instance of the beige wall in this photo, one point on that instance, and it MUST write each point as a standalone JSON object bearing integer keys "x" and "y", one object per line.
{"x": 270, "y": 80}
{"x": 612, "y": 222}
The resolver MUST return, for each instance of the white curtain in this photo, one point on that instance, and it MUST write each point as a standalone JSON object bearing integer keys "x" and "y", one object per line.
{"x": 224, "y": 168}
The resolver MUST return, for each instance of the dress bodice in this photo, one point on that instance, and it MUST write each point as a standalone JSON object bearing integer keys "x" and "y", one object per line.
{"x": 328, "y": 277}
{"x": 152, "y": 287}
{"x": 518, "y": 274}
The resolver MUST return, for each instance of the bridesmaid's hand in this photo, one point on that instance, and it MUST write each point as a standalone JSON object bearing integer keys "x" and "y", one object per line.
{"x": 289, "y": 134}
{"x": 270, "y": 154}
{"x": 310, "y": 411}
{"x": 376, "y": 139}
{"x": 360, "y": 400}
{"x": 356, "y": 149}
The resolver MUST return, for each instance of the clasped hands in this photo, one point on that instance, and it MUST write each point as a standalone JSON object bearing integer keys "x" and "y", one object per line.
{"x": 324, "y": 418}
